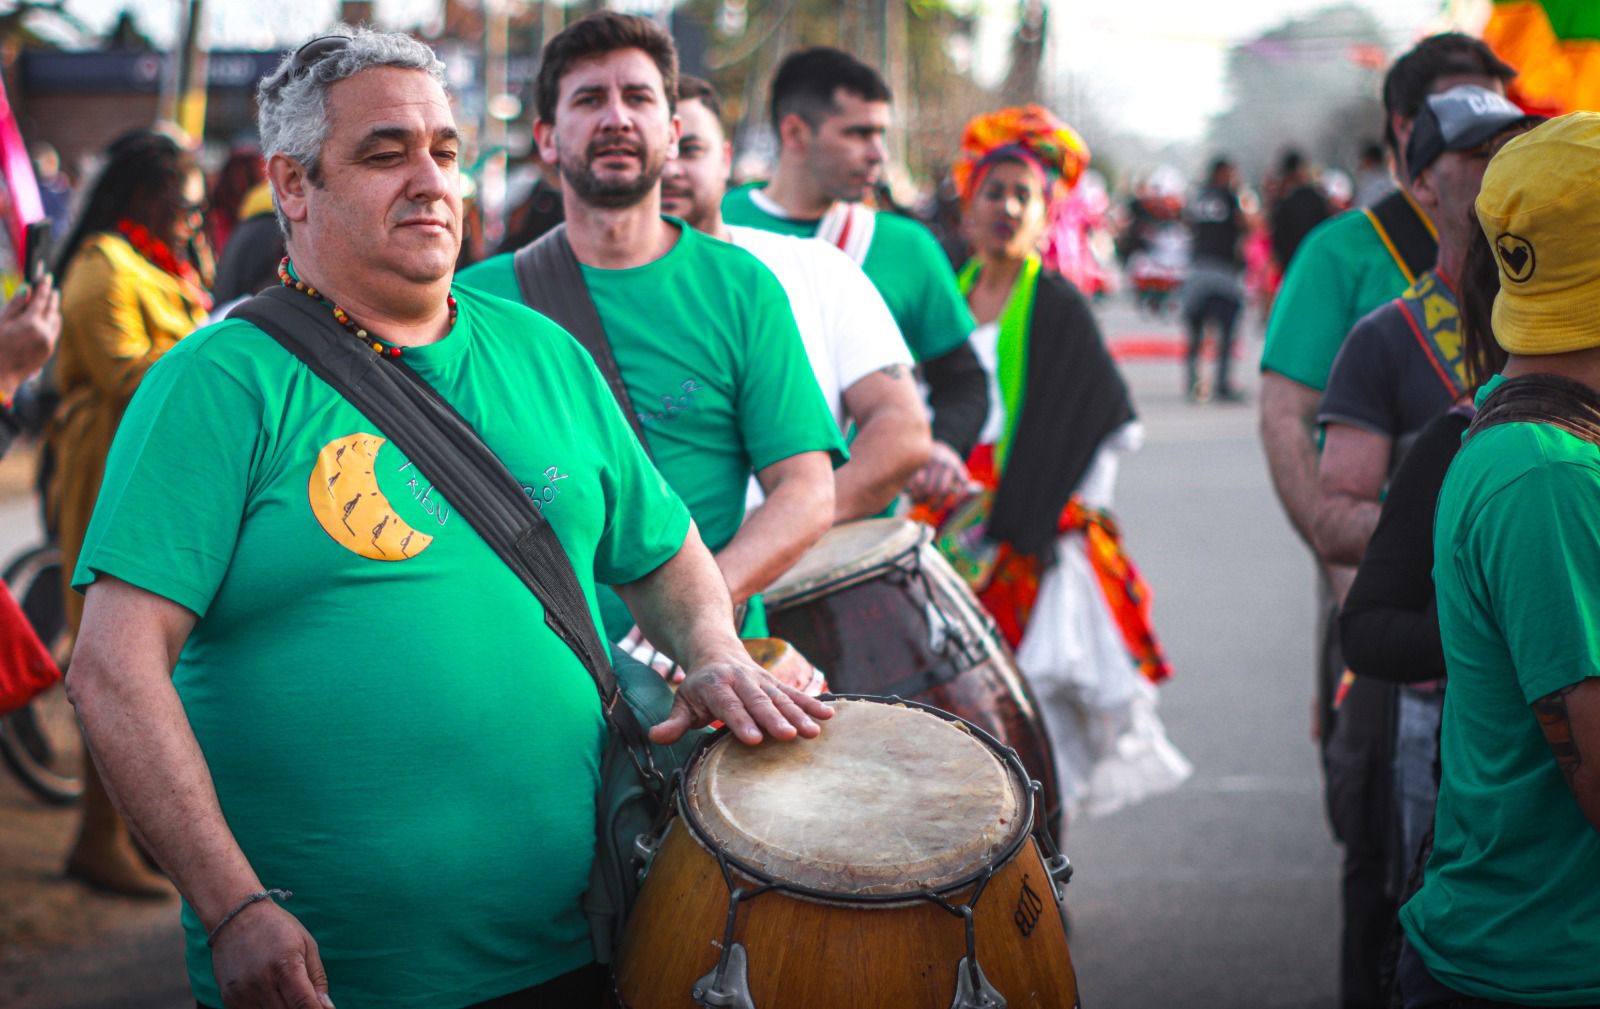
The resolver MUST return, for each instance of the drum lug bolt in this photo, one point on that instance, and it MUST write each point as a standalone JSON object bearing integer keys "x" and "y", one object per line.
{"x": 644, "y": 851}
{"x": 728, "y": 987}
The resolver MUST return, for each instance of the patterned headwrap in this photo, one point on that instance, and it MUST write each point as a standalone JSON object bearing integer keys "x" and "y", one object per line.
{"x": 1028, "y": 133}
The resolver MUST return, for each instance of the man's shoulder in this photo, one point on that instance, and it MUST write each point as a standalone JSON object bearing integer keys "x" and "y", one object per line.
{"x": 740, "y": 206}
{"x": 777, "y": 250}
{"x": 1344, "y": 234}
{"x": 496, "y": 275}
{"x": 728, "y": 263}
{"x": 1378, "y": 328}
{"x": 1516, "y": 469}
{"x": 897, "y": 231}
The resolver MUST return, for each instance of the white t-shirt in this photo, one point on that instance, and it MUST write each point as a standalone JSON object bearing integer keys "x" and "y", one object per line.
{"x": 843, "y": 320}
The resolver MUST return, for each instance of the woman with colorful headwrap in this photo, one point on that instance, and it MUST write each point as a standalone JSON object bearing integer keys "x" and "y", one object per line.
{"x": 1037, "y": 542}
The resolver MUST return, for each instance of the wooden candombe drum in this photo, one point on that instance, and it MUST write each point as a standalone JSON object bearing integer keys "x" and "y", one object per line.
{"x": 877, "y": 608}
{"x": 889, "y": 863}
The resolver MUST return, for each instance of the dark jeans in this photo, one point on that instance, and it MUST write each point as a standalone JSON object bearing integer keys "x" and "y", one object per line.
{"x": 1421, "y": 990}
{"x": 1224, "y": 312}
{"x": 1357, "y": 750}
{"x": 580, "y": 989}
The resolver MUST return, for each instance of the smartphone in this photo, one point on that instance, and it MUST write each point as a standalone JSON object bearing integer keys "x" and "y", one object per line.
{"x": 36, "y": 254}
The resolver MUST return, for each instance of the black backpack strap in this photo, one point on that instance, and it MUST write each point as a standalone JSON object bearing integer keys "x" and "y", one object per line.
{"x": 1405, "y": 234}
{"x": 445, "y": 446}
{"x": 552, "y": 282}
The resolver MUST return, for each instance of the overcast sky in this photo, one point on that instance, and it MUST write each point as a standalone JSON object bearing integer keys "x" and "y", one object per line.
{"x": 1156, "y": 65}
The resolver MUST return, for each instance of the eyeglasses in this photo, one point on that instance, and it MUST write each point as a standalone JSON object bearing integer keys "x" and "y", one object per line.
{"x": 314, "y": 52}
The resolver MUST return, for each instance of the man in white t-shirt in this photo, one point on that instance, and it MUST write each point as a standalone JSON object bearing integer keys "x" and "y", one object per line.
{"x": 854, "y": 346}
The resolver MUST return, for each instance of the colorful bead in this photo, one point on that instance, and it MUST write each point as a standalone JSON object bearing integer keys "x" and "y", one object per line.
{"x": 343, "y": 318}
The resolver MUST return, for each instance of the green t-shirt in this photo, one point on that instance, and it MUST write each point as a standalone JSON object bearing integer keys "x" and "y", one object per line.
{"x": 708, "y": 348}
{"x": 1510, "y": 907}
{"x": 1341, "y": 272}
{"x": 903, "y": 262}
{"x": 393, "y": 732}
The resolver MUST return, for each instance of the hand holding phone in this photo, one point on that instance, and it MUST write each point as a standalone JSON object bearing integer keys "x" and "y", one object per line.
{"x": 36, "y": 251}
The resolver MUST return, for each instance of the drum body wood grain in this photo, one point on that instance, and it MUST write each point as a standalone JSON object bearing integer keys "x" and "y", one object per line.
{"x": 877, "y": 608}
{"x": 857, "y": 901}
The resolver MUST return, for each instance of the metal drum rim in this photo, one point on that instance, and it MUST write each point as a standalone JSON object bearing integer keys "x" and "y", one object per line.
{"x": 779, "y": 597}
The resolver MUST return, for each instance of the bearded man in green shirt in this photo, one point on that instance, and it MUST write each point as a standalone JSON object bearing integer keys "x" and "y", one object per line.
{"x": 302, "y": 673}
{"x": 831, "y": 114}
{"x": 702, "y": 333}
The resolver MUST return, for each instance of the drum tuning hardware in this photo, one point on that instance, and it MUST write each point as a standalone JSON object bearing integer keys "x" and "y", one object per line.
{"x": 1060, "y": 869}
{"x": 973, "y": 990}
{"x": 645, "y": 847}
{"x": 727, "y": 986}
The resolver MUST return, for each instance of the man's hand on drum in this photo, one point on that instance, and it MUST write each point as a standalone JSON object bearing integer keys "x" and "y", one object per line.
{"x": 943, "y": 476}
{"x": 736, "y": 691}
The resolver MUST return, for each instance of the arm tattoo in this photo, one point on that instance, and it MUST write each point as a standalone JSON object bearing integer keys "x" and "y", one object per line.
{"x": 1551, "y": 710}
{"x": 894, "y": 370}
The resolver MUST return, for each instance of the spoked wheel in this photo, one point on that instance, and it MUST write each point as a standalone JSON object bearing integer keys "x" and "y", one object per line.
{"x": 40, "y": 742}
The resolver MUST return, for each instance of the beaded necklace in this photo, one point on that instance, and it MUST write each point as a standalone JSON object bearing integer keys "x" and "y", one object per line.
{"x": 343, "y": 318}
{"x": 160, "y": 255}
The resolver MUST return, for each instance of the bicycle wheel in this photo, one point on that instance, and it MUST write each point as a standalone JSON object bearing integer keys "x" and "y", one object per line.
{"x": 41, "y": 742}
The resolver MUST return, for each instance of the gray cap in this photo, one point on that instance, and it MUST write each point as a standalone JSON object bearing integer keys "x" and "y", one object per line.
{"x": 1459, "y": 120}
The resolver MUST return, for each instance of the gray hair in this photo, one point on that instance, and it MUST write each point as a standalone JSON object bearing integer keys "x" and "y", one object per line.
{"x": 293, "y": 116}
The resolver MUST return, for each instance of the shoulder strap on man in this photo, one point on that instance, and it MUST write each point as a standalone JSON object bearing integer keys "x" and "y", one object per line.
{"x": 552, "y": 283}
{"x": 849, "y": 227}
{"x": 1405, "y": 234}
{"x": 445, "y": 446}
{"x": 1429, "y": 308}
{"x": 1542, "y": 399}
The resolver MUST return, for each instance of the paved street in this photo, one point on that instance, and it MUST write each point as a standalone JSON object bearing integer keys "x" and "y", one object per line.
{"x": 1221, "y": 895}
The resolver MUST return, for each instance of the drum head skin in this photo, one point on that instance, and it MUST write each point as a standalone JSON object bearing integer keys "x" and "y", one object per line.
{"x": 887, "y": 800}
{"x": 844, "y": 554}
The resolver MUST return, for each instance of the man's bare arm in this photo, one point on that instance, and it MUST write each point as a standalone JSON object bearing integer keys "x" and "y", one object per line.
{"x": 1350, "y": 477}
{"x": 1288, "y": 423}
{"x": 121, "y": 685}
{"x": 798, "y": 509}
{"x": 892, "y": 443}
{"x": 1570, "y": 719}
{"x": 684, "y": 607}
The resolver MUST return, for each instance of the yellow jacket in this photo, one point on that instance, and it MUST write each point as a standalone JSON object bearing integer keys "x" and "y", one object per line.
{"x": 119, "y": 313}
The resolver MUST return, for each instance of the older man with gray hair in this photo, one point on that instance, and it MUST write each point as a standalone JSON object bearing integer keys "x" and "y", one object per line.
{"x": 303, "y": 674}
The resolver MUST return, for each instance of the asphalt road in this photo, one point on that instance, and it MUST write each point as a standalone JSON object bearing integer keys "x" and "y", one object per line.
{"x": 1221, "y": 895}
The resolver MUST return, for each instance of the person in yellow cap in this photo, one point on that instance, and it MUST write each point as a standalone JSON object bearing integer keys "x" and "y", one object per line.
{"x": 1509, "y": 910}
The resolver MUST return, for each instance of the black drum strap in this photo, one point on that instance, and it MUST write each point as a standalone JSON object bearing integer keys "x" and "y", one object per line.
{"x": 1405, "y": 233}
{"x": 551, "y": 281}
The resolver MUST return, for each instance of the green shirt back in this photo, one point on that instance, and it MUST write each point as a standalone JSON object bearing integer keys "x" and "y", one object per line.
{"x": 393, "y": 732}
{"x": 1510, "y": 906}
{"x": 708, "y": 348}
{"x": 1342, "y": 271}
{"x": 903, "y": 262}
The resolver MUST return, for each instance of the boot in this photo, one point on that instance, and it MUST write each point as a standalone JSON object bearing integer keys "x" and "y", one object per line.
{"x": 104, "y": 855}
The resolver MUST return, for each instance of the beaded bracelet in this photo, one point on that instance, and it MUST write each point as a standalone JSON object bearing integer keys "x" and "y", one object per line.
{"x": 259, "y": 895}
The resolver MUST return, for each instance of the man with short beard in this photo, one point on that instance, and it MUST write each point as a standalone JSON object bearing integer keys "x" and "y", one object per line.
{"x": 861, "y": 363}
{"x": 701, "y": 332}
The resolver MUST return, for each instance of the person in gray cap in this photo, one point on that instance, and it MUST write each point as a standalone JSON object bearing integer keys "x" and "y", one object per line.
{"x": 1401, "y": 366}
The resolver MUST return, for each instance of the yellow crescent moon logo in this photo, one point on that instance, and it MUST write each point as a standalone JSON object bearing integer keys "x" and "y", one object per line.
{"x": 349, "y": 506}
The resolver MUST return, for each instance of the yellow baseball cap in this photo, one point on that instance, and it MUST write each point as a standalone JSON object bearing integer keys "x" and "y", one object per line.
{"x": 1540, "y": 208}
